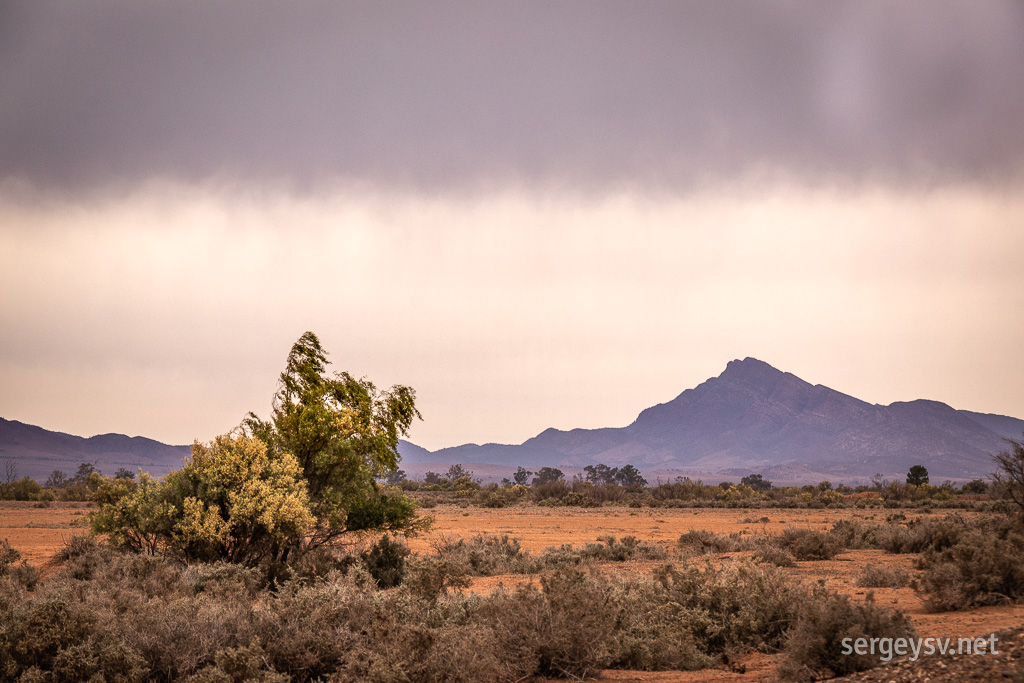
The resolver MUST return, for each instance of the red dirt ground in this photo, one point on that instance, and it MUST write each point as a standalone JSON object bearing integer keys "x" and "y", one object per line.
{"x": 37, "y": 532}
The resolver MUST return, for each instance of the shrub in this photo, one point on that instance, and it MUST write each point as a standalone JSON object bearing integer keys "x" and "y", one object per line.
{"x": 807, "y": 544}
{"x": 485, "y": 555}
{"x": 653, "y": 632}
{"x": 430, "y": 577}
{"x": 702, "y": 541}
{"x": 880, "y": 576}
{"x": 564, "y": 630}
{"x": 608, "y": 549}
{"x": 982, "y": 567}
{"x": 814, "y": 648}
{"x": 770, "y": 554}
{"x": 23, "y": 574}
{"x": 850, "y": 534}
{"x": 385, "y": 562}
{"x": 25, "y": 488}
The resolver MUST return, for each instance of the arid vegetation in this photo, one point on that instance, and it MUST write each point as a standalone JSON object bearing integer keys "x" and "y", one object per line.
{"x": 283, "y": 553}
{"x": 374, "y": 609}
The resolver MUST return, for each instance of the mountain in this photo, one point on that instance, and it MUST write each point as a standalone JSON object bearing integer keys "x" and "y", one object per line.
{"x": 751, "y": 418}
{"x": 755, "y": 418}
{"x": 37, "y": 452}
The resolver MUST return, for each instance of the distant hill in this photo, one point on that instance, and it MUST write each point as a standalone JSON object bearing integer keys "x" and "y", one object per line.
{"x": 751, "y": 418}
{"x": 38, "y": 452}
{"x": 755, "y": 418}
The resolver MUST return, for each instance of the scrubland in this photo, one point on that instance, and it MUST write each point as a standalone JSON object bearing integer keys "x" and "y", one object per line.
{"x": 512, "y": 592}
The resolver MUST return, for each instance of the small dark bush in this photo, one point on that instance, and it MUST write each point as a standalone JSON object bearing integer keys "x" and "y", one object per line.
{"x": 81, "y": 556}
{"x": 385, "y": 562}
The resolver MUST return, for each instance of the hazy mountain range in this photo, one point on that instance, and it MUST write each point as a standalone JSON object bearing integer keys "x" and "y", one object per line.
{"x": 755, "y": 418}
{"x": 751, "y": 418}
{"x": 37, "y": 452}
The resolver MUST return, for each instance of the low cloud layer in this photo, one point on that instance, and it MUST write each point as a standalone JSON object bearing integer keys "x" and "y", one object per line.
{"x": 169, "y": 312}
{"x": 580, "y": 96}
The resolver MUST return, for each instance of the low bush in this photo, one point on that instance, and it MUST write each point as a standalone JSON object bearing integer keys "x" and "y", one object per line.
{"x": 880, "y": 576}
{"x": 385, "y": 562}
{"x": 484, "y": 555}
{"x": 607, "y": 550}
{"x": 920, "y": 535}
{"x": 983, "y": 567}
{"x": 814, "y": 647}
{"x": 21, "y": 575}
{"x": 564, "y": 630}
{"x": 770, "y": 554}
{"x": 701, "y": 541}
{"x": 807, "y": 544}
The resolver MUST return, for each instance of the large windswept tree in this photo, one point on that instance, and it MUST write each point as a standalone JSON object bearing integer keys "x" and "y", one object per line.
{"x": 344, "y": 433}
{"x": 297, "y": 481}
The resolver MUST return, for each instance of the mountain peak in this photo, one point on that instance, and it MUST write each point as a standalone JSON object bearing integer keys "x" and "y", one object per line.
{"x": 750, "y": 369}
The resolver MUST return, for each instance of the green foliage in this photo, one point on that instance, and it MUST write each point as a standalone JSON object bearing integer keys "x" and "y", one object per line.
{"x": 917, "y": 475}
{"x": 134, "y": 516}
{"x": 975, "y": 487}
{"x": 25, "y": 488}
{"x": 601, "y": 474}
{"x": 57, "y": 479}
{"x": 630, "y": 477}
{"x": 522, "y": 476}
{"x": 756, "y": 482}
{"x": 385, "y": 562}
{"x": 458, "y": 471}
{"x": 547, "y": 475}
{"x": 281, "y": 487}
{"x": 344, "y": 434}
{"x": 230, "y": 501}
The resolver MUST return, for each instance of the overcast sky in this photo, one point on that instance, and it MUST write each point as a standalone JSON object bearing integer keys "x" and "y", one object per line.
{"x": 536, "y": 214}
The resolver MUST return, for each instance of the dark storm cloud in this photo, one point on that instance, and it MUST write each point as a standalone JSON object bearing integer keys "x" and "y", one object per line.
{"x": 447, "y": 95}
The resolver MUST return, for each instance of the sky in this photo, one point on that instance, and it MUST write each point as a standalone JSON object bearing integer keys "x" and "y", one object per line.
{"x": 536, "y": 214}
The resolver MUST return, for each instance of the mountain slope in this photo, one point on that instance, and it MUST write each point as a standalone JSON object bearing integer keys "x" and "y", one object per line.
{"x": 36, "y": 451}
{"x": 753, "y": 417}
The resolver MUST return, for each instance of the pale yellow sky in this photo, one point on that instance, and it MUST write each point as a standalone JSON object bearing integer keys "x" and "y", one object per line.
{"x": 167, "y": 311}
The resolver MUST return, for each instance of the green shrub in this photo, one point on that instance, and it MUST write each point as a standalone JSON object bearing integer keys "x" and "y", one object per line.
{"x": 385, "y": 562}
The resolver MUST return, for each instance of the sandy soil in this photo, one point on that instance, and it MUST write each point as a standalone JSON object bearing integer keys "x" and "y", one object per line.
{"x": 37, "y": 532}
